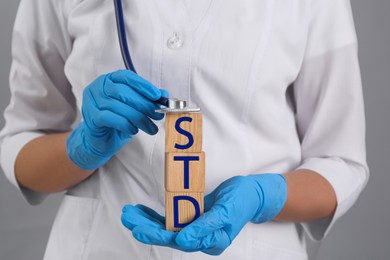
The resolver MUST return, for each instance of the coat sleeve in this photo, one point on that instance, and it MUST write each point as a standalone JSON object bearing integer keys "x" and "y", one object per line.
{"x": 329, "y": 108}
{"x": 41, "y": 98}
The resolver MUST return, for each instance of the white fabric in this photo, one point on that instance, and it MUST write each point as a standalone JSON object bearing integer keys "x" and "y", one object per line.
{"x": 278, "y": 83}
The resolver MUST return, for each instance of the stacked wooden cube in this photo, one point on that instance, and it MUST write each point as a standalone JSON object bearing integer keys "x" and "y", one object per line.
{"x": 184, "y": 169}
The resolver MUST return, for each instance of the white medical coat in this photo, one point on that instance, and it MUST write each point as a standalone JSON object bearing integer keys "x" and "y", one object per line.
{"x": 278, "y": 83}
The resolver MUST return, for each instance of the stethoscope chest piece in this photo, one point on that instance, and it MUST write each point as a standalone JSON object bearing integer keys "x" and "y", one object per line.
{"x": 178, "y": 106}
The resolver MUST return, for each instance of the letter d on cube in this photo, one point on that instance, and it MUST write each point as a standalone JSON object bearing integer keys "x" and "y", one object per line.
{"x": 182, "y": 208}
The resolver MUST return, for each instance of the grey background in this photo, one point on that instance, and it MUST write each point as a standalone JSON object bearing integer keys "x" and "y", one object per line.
{"x": 363, "y": 233}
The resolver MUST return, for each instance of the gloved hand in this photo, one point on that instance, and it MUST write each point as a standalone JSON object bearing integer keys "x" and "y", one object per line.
{"x": 238, "y": 200}
{"x": 115, "y": 106}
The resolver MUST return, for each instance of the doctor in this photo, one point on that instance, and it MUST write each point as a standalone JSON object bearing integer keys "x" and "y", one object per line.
{"x": 279, "y": 86}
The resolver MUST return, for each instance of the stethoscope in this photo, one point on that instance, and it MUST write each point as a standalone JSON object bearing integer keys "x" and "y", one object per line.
{"x": 171, "y": 104}
{"x": 120, "y": 22}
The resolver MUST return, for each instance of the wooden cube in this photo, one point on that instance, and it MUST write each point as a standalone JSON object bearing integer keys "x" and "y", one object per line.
{"x": 182, "y": 208}
{"x": 183, "y": 132}
{"x": 184, "y": 172}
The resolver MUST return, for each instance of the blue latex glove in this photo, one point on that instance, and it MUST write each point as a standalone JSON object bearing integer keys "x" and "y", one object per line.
{"x": 115, "y": 106}
{"x": 256, "y": 198}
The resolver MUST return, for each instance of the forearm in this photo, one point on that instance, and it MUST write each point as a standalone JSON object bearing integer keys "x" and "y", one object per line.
{"x": 43, "y": 165}
{"x": 309, "y": 197}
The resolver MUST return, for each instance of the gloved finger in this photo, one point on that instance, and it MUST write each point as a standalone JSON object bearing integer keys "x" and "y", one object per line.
{"x": 153, "y": 235}
{"x": 153, "y": 214}
{"x": 106, "y": 118}
{"x": 208, "y": 223}
{"x": 136, "y": 82}
{"x": 212, "y": 244}
{"x": 146, "y": 213}
{"x": 164, "y": 92}
{"x": 135, "y": 117}
{"x": 133, "y": 217}
{"x": 158, "y": 236}
{"x": 132, "y": 98}
{"x": 215, "y": 243}
{"x": 209, "y": 201}
{"x": 97, "y": 113}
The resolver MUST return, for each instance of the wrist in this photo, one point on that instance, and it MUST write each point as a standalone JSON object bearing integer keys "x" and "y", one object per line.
{"x": 272, "y": 192}
{"x": 80, "y": 151}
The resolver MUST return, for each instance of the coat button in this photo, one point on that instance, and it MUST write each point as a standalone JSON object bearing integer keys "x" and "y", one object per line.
{"x": 174, "y": 42}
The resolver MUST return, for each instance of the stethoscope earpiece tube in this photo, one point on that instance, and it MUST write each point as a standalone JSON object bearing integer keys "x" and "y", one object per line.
{"x": 120, "y": 23}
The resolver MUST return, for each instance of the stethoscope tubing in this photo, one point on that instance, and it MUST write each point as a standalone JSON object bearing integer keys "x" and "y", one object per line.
{"x": 120, "y": 22}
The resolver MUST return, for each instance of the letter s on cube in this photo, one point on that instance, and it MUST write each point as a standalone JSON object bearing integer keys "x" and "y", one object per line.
{"x": 183, "y": 132}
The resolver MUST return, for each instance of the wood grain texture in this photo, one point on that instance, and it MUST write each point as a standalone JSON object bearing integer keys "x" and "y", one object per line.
{"x": 185, "y": 172}
{"x": 186, "y": 209}
{"x": 173, "y": 137}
